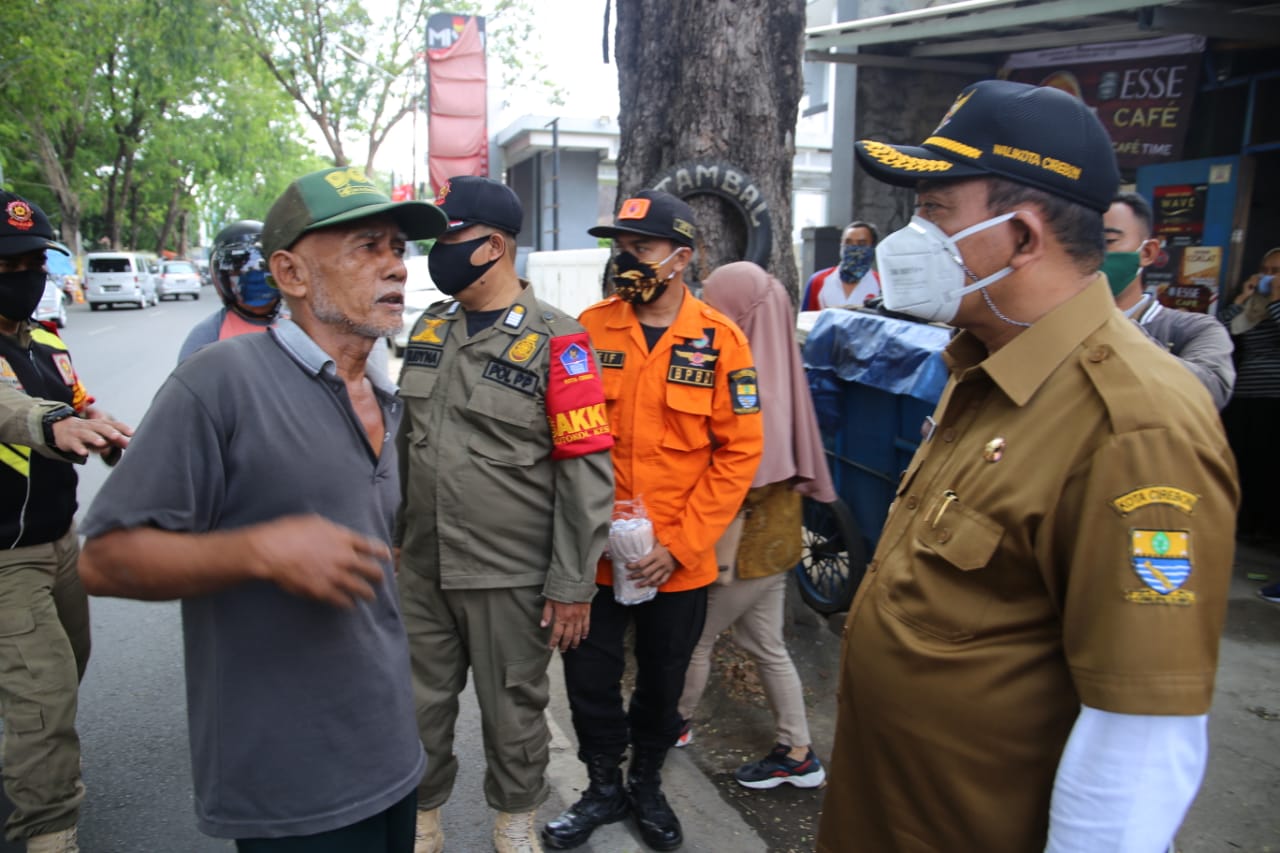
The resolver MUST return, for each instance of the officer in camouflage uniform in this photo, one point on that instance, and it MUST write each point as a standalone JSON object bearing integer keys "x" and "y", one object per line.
{"x": 44, "y": 614}
{"x": 508, "y": 491}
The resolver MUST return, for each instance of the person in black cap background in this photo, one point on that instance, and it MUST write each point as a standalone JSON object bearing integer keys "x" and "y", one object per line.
{"x": 684, "y": 408}
{"x": 1029, "y": 662}
{"x": 508, "y": 492}
{"x": 44, "y": 647}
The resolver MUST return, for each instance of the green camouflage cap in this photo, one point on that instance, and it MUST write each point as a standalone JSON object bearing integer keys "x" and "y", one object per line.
{"x": 344, "y": 194}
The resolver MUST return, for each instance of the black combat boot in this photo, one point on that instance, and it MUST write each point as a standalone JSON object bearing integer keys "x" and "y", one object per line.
{"x": 659, "y": 826}
{"x": 604, "y": 801}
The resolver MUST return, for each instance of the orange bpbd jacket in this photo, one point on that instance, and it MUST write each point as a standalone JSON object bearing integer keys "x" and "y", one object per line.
{"x": 686, "y": 426}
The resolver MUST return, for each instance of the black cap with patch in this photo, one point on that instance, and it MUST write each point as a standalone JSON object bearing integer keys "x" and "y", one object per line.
{"x": 24, "y": 227}
{"x": 652, "y": 213}
{"x": 1033, "y": 135}
{"x": 470, "y": 200}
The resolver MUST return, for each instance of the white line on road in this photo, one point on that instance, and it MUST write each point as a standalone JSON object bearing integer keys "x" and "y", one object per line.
{"x": 101, "y": 330}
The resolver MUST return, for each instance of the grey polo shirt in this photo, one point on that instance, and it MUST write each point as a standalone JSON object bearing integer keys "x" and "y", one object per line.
{"x": 301, "y": 714}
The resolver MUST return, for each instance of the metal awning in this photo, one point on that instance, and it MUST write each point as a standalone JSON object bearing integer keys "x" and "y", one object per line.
{"x": 983, "y": 31}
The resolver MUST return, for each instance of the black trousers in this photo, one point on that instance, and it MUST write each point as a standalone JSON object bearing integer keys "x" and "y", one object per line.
{"x": 390, "y": 831}
{"x": 1251, "y": 424}
{"x": 666, "y": 630}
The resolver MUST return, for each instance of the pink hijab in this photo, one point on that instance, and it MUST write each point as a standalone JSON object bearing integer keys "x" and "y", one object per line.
{"x": 759, "y": 304}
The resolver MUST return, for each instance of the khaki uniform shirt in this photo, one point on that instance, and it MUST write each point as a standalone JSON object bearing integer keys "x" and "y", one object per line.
{"x": 22, "y": 420}
{"x": 485, "y": 505}
{"x": 1063, "y": 536}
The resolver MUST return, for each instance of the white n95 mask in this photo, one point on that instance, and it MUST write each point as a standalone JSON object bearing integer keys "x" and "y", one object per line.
{"x": 922, "y": 272}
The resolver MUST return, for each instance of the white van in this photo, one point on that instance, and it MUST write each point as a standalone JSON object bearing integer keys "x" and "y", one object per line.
{"x": 118, "y": 277}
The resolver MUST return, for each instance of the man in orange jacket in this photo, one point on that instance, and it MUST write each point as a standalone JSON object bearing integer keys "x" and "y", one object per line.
{"x": 684, "y": 409}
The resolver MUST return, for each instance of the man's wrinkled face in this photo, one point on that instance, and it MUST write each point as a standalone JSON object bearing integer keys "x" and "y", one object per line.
{"x": 356, "y": 275}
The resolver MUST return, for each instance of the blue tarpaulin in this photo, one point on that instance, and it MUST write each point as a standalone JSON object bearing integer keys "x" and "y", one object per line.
{"x": 897, "y": 356}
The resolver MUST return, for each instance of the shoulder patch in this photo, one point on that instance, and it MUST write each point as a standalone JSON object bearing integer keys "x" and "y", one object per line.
{"x": 744, "y": 389}
{"x": 8, "y": 376}
{"x": 576, "y": 411}
{"x": 1148, "y": 495}
{"x": 1162, "y": 561}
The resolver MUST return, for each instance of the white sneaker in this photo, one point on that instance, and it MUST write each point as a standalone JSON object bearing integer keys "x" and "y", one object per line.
{"x": 428, "y": 837}
{"x": 62, "y": 841}
{"x": 513, "y": 833}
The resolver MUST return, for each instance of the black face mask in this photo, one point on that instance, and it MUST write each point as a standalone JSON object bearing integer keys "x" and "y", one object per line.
{"x": 20, "y": 293}
{"x": 451, "y": 268}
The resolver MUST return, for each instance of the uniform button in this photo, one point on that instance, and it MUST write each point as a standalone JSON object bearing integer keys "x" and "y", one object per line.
{"x": 1099, "y": 353}
{"x": 949, "y": 435}
{"x": 913, "y": 502}
{"x": 944, "y": 535}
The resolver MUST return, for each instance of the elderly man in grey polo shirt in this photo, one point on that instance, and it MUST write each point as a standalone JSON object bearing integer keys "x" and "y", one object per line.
{"x": 261, "y": 489}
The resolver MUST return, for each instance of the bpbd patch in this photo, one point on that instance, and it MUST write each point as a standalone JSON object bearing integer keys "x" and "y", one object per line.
{"x": 694, "y": 362}
{"x": 744, "y": 388}
{"x": 515, "y": 378}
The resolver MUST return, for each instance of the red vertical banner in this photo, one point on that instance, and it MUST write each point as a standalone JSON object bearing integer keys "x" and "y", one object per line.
{"x": 457, "y": 127}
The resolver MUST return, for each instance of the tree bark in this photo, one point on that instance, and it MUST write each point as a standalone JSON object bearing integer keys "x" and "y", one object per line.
{"x": 713, "y": 80}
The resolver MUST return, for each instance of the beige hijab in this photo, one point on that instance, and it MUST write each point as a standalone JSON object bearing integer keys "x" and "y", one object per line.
{"x": 759, "y": 304}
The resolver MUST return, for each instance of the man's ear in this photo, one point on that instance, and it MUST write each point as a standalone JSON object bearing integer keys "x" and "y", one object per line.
{"x": 1030, "y": 234}
{"x": 681, "y": 261}
{"x": 1149, "y": 251}
{"x": 288, "y": 273}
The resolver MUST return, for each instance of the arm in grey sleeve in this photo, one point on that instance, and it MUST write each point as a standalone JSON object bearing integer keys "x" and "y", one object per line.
{"x": 1206, "y": 352}
{"x": 580, "y": 525}
{"x": 1228, "y": 312}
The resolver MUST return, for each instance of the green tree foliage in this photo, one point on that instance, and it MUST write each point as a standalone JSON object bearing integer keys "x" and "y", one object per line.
{"x": 126, "y": 118}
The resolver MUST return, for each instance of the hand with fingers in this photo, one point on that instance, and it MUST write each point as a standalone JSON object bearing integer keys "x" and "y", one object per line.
{"x": 82, "y": 436}
{"x": 312, "y": 557}
{"x": 653, "y": 568}
{"x": 570, "y": 622}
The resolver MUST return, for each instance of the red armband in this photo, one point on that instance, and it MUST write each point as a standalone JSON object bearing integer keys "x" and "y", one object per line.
{"x": 575, "y": 400}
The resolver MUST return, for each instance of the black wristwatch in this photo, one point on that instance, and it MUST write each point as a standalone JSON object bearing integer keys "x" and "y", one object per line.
{"x": 52, "y": 417}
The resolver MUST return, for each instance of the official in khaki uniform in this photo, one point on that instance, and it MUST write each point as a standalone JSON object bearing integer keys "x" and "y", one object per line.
{"x": 1029, "y": 662}
{"x": 508, "y": 492}
{"x": 44, "y": 613}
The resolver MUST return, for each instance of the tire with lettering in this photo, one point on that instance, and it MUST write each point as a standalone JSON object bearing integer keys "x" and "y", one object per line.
{"x": 709, "y": 177}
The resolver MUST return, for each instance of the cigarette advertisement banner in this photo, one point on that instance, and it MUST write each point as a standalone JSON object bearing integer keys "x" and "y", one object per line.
{"x": 1142, "y": 91}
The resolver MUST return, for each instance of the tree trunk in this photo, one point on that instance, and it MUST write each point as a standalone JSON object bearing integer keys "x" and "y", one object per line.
{"x": 713, "y": 80}
{"x": 170, "y": 215}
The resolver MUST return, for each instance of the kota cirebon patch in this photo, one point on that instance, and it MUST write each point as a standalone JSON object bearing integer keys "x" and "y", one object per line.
{"x": 1149, "y": 495}
{"x": 7, "y": 374}
{"x": 744, "y": 389}
{"x": 1162, "y": 560}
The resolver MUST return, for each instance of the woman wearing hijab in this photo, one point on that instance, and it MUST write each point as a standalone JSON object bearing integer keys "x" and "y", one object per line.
{"x": 793, "y": 465}
{"x": 1253, "y": 319}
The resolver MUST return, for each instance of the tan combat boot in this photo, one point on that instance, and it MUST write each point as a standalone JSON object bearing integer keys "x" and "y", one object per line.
{"x": 513, "y": 833}
{"x": 428, "y": 837}
{"x": 62, "y": 841}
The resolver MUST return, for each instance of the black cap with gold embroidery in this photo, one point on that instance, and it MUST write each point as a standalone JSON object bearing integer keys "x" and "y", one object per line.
{"x": 1033, "y": 135}
{"x": 652, "y": 213}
